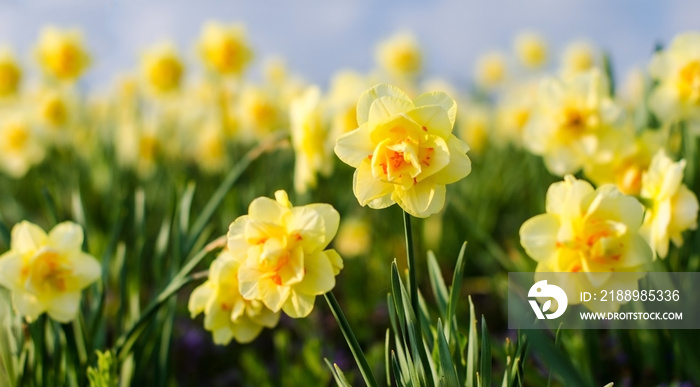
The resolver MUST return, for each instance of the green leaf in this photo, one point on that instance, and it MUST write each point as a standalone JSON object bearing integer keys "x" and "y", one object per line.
{"x": 472, "y": 346}
{"x": 448, "y": 372}
{"x": 437, "y": 284}
{"x": 554, "y": 357}
{"x": 338, "y": 375}
{"x": 485, "y": 371}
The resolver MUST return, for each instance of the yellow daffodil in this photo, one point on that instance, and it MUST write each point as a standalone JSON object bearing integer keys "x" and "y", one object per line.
{"x": 575, "y": 121}
{"x": 225, "y": 49}
{"x": 46, "y": 273}
{"x": 226, "y": 313}
{"x": 474, "y": 124}
{"x": 354, "y": 237}
{"x": 10, "y": 74}
{"x": 259, "y": 111}
{"x": 671, "y": 207}
{"x": 281, "y": 250}
{"x": 404, "y": 150}
{"x": 579, "y": 57}
{"x": 513, "y": 111}
{"x": 629, "y": 162}
{"x": 162, "y": 68}
{"x": 531, "y": 49}
{"x": 20, "y": 145}
{"x": 677, "y": 70}
{"x": 62, "y": 53}
{"x": 346, "y": 87}
{"x": 587, "y": 230}
{"x": 491, "y": 70}
{"x": 309, "y": 139}
{"x": 400, "y": 56}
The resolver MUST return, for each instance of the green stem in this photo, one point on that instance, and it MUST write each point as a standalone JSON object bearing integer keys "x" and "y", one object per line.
{"x": 351, "y": 340}
{"x": 411, "y": 259}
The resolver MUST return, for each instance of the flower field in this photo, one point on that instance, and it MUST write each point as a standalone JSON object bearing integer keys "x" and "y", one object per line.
{"x": 223, "y": 221}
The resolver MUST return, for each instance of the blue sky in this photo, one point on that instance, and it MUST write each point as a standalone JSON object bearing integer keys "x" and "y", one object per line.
{"x": 317, "y": 38}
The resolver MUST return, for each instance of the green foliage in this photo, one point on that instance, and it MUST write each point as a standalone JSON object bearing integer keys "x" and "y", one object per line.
{"x": 105, "y": 374}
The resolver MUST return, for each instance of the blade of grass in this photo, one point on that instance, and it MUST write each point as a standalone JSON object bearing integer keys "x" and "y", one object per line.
{"x": 355, "y": 348}
{"x": 485, "y": 369}
{"x": 448, "y": 372}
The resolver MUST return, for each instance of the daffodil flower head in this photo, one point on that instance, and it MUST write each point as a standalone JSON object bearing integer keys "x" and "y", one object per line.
{"x": 46, "y": 273}
{"x": 20, "y": 144}
{"x": 226, "y": 313}
{"x": 575, "y": 121}
{"x": 62, "y": 53}
{"x": 163, "y": 68}
{"x": 310, "y": 139}
{"x": 491, "y": 70}
{"x": 225, "y": 49}
{"x": 677, "y": 70}
{"x": 587, "y": 230}
{"x": 404, "y": 150}
{"x": 283, "y": 255}
{"x": 531, "y": 49}
{"x": 400, "y": 56}
{"x": 10, "y": 73}
{"x": 672, "y": 208}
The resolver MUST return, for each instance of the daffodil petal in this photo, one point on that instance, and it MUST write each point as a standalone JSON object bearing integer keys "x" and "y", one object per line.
{"x": 433, "y": 119}
{"x": 64, "y": 307}
{"x": 246, "y": 331}
{"x": 66, "y": 236}
{"x": 366, "y": 188}
{"x": 319, "y": 276}
{"x": 459, "y": 165}
{"x": 354, "y": 146}
{"x": 27, "y": 305}
{"x": 422, "y": 200}
{"x": 538, "y": 236}
{"x": 367, "y": 98}
{"x": 299, "y": 305}
{"x": 27, "y": 237}
{"x": 439, "y": 98}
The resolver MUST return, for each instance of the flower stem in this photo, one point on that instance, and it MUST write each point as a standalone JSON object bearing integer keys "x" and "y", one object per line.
{"x": 351, "y": 340}
{"x": 411, "y": 260}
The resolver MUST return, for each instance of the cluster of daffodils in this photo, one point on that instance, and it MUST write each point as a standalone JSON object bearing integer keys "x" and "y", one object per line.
{"x": 47, "y": 272}
{"x": 276, "y": 260}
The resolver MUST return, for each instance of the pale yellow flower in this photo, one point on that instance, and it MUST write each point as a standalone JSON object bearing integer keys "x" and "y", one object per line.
{"x": 671, "y": 207}
{"x": 579, "y": 57}
{"x": 404, "y": 150}
{"x": 20, "y": 145}
{"x": 313, "y": 152}
{"x": 225, "y": 49}
{"x": 475, "y": 123}
{"x": 354, "y": 237}
{"x": 260, "y": 112}
{"x": 62, "y": 53}
{"x": 677, "y": 70}
{"x": 587, "y": 230}
{"x": 575, "y": 121}
{"x": 400, "y": 56}
{"x": 281, "y": 250}
{"x": 10, "y": 74}
{"x": 491, "y": 70}
{"x": 162, "y": 68}
{"x": 531, "y": 49}
{"x": 226, "y": 313}
{"x": 346, "y": 87}
{"x": 629, "y": 162}
{"x": 513, "y": 111}
{"x": 210, "y": 144}
{"x": 46, "y": 273}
